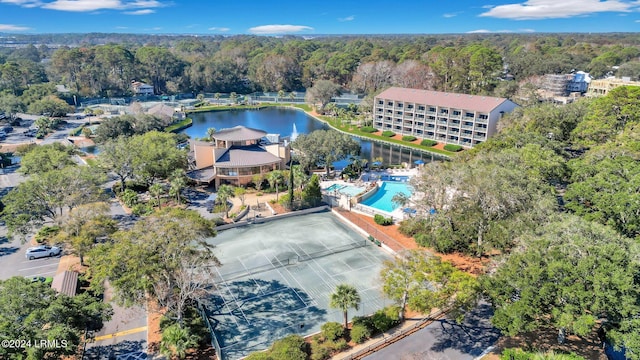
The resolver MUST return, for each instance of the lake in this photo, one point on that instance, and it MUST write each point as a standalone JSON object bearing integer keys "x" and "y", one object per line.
{"x": 282, "y": 121}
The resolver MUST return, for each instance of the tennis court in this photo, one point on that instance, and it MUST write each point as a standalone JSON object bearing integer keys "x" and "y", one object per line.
{"x": 276, "y": 279}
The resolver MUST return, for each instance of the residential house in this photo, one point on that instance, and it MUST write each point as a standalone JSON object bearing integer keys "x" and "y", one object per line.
{"x": 141, "y": 89}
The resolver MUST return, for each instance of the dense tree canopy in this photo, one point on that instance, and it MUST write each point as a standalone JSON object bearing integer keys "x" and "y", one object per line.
{"x": 323, "y": 147}
{"x": 163, "y": 256}
{"x": 33, "y": 311}
{"x": 568, "y": 274}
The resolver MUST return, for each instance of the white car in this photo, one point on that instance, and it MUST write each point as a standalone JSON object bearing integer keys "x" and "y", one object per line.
{"x": 42, "y": 251}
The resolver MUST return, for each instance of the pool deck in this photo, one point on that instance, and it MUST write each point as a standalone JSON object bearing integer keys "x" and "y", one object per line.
{"x": 373, "y": 177}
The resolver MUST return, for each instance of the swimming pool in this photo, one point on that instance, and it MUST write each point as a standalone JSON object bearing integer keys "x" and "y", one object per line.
{"x": 345, "y": 189}
{"x": 381, "y": 200}
{"x": 401, "y": 178}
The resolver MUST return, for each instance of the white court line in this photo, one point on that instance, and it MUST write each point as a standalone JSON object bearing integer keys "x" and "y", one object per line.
{"x": 42, "y": 259}
{"x": 43, "y": 274}
{"x": 291, "y": 287}
{"x": 235, "y": 299}
{"x": 37, "y": 267}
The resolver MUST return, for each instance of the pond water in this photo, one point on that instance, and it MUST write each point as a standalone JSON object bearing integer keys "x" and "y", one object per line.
{"x": 288, "y": 121}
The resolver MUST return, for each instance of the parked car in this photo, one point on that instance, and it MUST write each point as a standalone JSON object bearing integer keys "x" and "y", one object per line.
{"x": 41, "y": 251}
{"x": 42, "y": 279}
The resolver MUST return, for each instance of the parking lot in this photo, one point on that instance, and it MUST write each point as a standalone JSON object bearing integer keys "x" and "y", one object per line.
{"x": 14, "y": 263}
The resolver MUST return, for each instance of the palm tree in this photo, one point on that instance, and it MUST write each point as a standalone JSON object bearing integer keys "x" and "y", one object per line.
{"x": 233, "y": 96}
{"x": 176, "y": 340}
{"x": 344, "y": 298}
{"x": 281, "y": 94}
{"x": 178, "y": 182}
{"x": 225, "y": 192}
{"x": 299, "y": 176}
{"x": 292, "y": 96}
{"x": 275, "y": 178}
{"x": 210, "y": 132}
{"x": 156, "y": 191}
{"x": 217, "y": 97}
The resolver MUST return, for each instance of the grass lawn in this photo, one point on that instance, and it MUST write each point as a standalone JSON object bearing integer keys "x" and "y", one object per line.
{"x": 179, "y": 125}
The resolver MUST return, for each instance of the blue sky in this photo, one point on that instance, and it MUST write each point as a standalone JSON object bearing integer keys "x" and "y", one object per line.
{"x": 313, "y": 17}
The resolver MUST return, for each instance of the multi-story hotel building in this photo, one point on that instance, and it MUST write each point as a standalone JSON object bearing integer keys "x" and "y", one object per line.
{"x": 450, "y": 118}
{"x": 601, "y": 87}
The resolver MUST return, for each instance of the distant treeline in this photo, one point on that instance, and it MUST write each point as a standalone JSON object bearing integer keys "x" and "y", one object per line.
{"x": 105, "y": 64}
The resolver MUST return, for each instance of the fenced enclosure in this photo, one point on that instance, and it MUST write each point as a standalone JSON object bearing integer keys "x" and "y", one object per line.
{"x": 277, "y": 277}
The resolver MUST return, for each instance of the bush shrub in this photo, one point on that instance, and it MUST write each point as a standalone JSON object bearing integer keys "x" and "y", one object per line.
{"x": 141, "y": 209}
{"x": 381, "y": 220}
{"x": 368, "y": 129}
{"x": 320, "y": 351}
{"x": 388, "y": 133}
{"x": 46, "y": 232}
{"x": 412, "y": 226}
{"x": 339, "y": 345}
{"x": 360, "y": 333}
{"x": 292, "y": 347}
{"x": 452, "y": 148}
{"x": 332, "y": 330}
{"x": 427, "y": 142}
{"x": 409, "y": 138}
{"x": 129, "y": 197}
{"x": 518, "y": 354}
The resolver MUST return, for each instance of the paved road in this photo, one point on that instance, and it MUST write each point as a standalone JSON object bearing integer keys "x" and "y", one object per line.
{"x": 125, "y": 333}
{"x": 446, "y": 340}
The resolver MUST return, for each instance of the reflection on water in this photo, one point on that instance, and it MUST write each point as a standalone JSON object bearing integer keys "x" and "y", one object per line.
{"x": 287, "y": 122}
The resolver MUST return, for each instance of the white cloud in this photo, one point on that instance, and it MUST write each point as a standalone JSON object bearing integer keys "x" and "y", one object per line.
{"x": 348, "y": 18}
{"x": 122, "y": 27}
{"x": 144, "y": 6}
{"x": 505, "y": 31}
{"x": 552, "y": 9}
{"x": 278, "y": 29}
{"x": 140, "y": 12}
{"x": 9, "y": 27}
{"x": 221, "y": 29}
{"x": 449, "y": 15}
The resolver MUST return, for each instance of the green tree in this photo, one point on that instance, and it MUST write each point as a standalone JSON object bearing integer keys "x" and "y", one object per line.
{"x": 43, "y": 158}
{"x": 312, "y": 194}
{"x": 321, "y": 93}
{"x": 324, "y": 147}
{"x": 158, "y": 157}
{"x": 569, "y": 274}
{"x": 46, "y": 197}
{"x": 178, "y": 183}
{"x": 112, "y": 128}
{"x": 240, "y": 193}
{"x": 423, "y": 282}
{"x": 210, "y": 133}
{"x": 344, "y": 298}
{"x": 117, "y": 156}
{"x": 10, "y": 105}
{"x": 164, "y": 257}
{"x": 225, "y": 192}
{"x": 157, "y": 190}
{"x": 176, "y": 340}
{"x": 604, "y": 187}
{"x": 275, "y": 178}
{"x": 217, "y": 97}
{"x": 34, "y": 311}
{"x": 84, "y": 226}
{"x": 609, "y": 115}
{"x": 50, "y": 105}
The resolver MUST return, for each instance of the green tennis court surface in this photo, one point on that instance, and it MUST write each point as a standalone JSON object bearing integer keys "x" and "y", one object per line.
{"x": 276, "y": 279}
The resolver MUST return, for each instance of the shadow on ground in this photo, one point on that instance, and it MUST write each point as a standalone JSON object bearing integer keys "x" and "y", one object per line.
{"x": 263, "y": 311}
{"x": 115, "y": 351}
{"x": 471, "y": 337}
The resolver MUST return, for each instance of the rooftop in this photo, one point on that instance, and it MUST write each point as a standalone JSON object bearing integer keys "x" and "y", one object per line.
{"x": 239, "y": 133}
{"x": 245, "y": 156}
{"x": 438, "y": 98}
{"x": 66, "y": 283}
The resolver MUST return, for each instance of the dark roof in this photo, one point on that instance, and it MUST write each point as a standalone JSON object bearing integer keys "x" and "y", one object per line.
{"x": 246, "y": 156}
{"x": 202, "y": 175}
{"x": 66, "y": 283}
{"x": 438, "y": 98}
{"x": 239, "y": 133}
